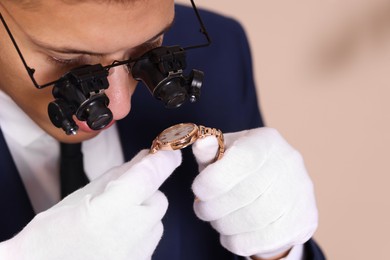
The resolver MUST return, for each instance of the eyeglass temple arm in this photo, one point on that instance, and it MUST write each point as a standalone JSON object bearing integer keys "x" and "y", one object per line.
{"x": 202, "y": 29}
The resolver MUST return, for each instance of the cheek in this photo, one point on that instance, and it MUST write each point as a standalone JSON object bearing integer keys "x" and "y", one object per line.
{"x": 15, "y": 82}
{"x": 34, "y": 103}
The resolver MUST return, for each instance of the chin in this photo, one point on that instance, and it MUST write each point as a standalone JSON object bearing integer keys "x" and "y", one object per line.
{"x": 81, "y": 135}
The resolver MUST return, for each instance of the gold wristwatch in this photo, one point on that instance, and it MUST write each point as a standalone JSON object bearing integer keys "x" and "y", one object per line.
{"x": 182, "y": 135}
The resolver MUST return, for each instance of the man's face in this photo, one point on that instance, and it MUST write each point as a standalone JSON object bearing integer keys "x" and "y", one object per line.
{"x": 56, "y": 36}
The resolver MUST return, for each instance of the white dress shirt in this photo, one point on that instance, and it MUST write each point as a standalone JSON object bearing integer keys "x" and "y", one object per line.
{"x": 36, "y": 154}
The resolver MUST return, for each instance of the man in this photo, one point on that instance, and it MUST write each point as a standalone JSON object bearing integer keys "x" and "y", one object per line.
{"x": 257, "y": 197}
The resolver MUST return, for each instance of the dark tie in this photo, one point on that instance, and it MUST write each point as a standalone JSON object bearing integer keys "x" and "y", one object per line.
{"x": 72, "y": 175}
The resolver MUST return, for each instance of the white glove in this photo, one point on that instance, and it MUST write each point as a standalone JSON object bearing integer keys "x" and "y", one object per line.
{"x": 259, "y": 196}
{"x": 117, "y": 216}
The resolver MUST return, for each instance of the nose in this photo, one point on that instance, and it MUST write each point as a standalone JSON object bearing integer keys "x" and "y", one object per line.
{"x": 121, "y": 88}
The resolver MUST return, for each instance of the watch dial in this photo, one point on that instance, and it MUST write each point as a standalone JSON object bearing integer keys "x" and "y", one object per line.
{"x": 176, "y": 132}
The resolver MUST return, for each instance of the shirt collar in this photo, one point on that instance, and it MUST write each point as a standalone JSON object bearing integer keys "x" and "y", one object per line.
{"x": 17, "y": 124}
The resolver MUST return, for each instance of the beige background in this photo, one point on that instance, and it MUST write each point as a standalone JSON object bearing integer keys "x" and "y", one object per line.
{"x": 323, "y": 73}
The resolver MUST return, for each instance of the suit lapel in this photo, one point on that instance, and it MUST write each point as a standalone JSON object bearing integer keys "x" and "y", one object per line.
{"x": 15, "y": 207}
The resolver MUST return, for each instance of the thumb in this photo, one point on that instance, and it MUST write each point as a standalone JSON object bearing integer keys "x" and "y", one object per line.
{"x": 206, "y": 148}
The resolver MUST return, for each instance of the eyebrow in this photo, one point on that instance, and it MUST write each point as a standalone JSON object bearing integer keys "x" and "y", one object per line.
{"x": 67, "y": 50}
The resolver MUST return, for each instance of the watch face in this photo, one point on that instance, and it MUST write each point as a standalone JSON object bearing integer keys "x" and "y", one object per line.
{"x": 176, "y": 132}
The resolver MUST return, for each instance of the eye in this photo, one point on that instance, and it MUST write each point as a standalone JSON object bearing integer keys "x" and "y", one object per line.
{"x": 154, "y": 44}
{"x": 147, "y": 47}
{"x": 67, "y": 62}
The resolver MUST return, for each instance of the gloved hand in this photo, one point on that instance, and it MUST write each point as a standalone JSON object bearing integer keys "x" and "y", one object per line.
{"x": 117, "y": 216}
{"x": 259, "y": 196}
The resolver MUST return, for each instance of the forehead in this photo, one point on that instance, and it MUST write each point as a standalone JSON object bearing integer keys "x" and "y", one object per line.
{"x": 93, "y": 25}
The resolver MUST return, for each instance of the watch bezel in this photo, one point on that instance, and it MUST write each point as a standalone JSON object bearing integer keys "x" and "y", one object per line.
{"x": 181, "y": 142}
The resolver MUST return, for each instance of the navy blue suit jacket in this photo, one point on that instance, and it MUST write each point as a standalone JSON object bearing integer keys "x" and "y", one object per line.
{"x": 228, "y": 102}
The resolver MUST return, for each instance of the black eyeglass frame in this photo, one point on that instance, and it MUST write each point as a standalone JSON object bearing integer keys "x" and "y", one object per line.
{"x": 115, "y": 63}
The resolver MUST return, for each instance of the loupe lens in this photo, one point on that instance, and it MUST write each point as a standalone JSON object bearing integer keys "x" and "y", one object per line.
{"x": 95, "y": 112}
{"x": 171, "y": 92}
